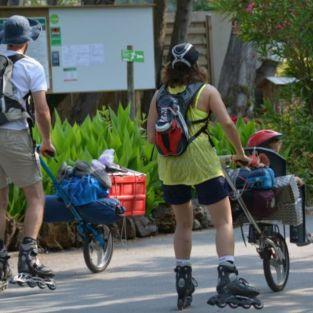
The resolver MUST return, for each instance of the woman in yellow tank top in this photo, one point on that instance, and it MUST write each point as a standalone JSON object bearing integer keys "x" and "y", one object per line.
{"x": 198, "y": 166}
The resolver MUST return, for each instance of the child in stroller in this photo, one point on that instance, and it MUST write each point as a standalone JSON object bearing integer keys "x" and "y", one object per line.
{"x": 272, "y": 140}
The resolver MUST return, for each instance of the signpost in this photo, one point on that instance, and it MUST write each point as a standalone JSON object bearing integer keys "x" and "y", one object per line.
{"x": 130, "y": 56}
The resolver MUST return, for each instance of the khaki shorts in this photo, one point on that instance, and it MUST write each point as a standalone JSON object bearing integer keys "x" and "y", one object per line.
{"x": 18, "y": 163}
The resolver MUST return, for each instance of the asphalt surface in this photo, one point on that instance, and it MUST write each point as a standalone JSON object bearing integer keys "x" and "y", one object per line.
{"x": 140, "y": 278}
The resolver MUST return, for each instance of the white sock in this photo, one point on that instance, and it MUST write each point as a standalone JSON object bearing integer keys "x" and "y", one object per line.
{"x": 226, "y": 258}
{"x": 183, "y": 262}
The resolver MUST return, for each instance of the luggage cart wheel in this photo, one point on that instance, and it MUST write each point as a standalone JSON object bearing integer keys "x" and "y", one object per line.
{"x": 98, "y": 257}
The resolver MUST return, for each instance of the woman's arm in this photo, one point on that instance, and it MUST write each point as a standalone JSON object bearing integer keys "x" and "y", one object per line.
{"x": 217, "y": 106}
{"x": 152, "y": 118}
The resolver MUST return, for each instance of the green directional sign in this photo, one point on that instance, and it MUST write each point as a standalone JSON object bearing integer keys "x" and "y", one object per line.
{"x": 133, "y": 56}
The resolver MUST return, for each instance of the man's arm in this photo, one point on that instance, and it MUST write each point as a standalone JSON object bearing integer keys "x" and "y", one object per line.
{"x": 43, "y": 120}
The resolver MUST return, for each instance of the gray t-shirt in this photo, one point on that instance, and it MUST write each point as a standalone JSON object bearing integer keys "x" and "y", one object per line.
{"x": 28, "y": 76}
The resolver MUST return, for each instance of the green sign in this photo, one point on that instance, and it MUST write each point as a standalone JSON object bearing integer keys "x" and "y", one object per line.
{"x": 133, "y": 56}
{"x": 55, "y": 36}
{"x": 54, "y": 19}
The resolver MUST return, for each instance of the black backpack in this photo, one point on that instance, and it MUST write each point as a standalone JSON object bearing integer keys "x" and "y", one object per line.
{"x": 172, "y": 135}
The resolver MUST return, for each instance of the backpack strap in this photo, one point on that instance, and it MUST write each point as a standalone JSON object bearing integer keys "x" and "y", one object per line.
{"x": 30, "y": 120}
{"x": 187, "y": 97}
{"x": 16, "y": 57}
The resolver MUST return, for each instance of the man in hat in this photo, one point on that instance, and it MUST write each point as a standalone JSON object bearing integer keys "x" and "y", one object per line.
{"x": 18, "y": 161}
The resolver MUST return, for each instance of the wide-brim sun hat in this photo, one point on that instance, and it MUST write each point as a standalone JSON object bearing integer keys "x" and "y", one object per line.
{"x": 261, "y": 137}
{"x": 184, "y": 53}
{"x": 19, "y": 29}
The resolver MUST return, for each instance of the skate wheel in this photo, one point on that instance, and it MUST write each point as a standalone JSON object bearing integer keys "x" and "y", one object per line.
{"x": 258, "y": 306}
{"x": 21, "y": 284}
{"x": 31, "y": 284}
{"x": 180, "y": 304}
{"x": 233, "y": 305}
{"x": 3, "y": 287}
{"x": 188, "y": 301}
{"x": 52, "y": 286}
{"x": 221, "y": 304}
{"x": 246, "y": 306}
{"x": 41, "y": 285}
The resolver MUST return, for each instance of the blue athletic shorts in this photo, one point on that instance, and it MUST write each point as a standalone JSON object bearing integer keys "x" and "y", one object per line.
{"x": 208, "y": 192}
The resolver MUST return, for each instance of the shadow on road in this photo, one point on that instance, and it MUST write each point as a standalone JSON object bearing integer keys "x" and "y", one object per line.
{"x": 144, "y": 282}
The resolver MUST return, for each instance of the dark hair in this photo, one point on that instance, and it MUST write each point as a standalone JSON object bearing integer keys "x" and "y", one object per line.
{"x": 266, "y": 144}
{"x": 16, "y": 46}
{"x": 183, "y": 75}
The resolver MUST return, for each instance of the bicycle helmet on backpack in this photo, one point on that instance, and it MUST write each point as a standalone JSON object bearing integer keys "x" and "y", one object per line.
{"x": 261, "y": 137}
{"x": 184, "y": 53}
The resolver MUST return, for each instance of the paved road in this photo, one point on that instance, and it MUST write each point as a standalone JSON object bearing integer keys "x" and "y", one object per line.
{"x": 141, "y": 279}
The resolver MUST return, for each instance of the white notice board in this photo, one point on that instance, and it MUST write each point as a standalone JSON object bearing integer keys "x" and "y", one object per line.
{"x": 86, "y": 45}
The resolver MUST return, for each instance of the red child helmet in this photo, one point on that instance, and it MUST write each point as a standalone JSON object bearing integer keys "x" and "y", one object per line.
{"x": 262, "y": 136}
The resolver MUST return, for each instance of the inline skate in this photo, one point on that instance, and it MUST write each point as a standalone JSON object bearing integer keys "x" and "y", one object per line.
{"x": 234, "y": 291}
{"x": 5, "y": 271}
{"x": 30, "y": 271}
{"x": 185, "y": 286}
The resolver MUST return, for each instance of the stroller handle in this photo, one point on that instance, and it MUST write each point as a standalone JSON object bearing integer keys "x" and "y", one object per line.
{"x": 45, "y": 152}
{"x": 45, "y": 166}
{"x": 226, "y": 158}
{"x": 254, "y": 161}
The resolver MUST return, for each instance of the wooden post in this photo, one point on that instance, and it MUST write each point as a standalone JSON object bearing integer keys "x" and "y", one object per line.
{"x": 130, "y": 86}
{"x": 210, "y": 49}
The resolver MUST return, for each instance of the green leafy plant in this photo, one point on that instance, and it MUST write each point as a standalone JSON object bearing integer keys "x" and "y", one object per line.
{"x": 296, "y": 125}
{"x": 220, "y": 141}
{"x": 87, "y": 141}
{"x": 110, "y": 130}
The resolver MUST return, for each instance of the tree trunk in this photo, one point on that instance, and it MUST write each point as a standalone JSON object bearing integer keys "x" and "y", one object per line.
{"x": 15, "y": 2}
{"x": 181, "y": 23}
{"x": 182, "y": 20}
{"x": 52, "y": 2}
{"x": 93, "y": 2}
{"x": 159, "y": 36}
{"x": 11, "y": 2}
{"x": 237, "y": 79}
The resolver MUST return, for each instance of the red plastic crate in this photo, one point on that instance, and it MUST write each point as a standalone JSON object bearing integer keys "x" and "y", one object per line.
{"x": 130, "y": 190}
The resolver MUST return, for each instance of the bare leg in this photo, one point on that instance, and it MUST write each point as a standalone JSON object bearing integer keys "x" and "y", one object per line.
{"x": 34, "y": 213}
{"x": 223, "y": 223}
{"x": 183, "y": 233}
{"x": 4, "y": 200}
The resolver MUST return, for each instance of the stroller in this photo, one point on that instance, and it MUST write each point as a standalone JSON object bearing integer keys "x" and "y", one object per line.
{"x": 91, "y": 220}
{"x": 265, "y": 233}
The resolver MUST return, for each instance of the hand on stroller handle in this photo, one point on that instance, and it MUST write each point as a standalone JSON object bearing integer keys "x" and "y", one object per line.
{"x": 46, "y": 153}
{"x": 231, "y": 158}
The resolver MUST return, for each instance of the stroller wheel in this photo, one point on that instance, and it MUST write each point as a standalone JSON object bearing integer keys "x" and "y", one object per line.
{"x": 276, "y": 263}
{"x": 98, "y": 257}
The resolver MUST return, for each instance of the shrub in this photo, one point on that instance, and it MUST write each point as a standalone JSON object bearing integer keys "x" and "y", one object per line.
{"x": 108, "y": 129}
{"x": 220, "y": 141}
{"x": 87, "y": 141}
{"x": 282, "y": 27}
{"x": 296, "y": 125}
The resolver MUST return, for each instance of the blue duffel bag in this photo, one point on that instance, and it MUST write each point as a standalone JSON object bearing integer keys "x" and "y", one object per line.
{"x": 262, "y": 178}
{"x": 83, "y": 190}
{"x": 103, "y": 211}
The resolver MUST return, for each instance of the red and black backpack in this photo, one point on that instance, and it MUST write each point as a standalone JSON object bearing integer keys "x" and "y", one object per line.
{"x": 172, "y": 134}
